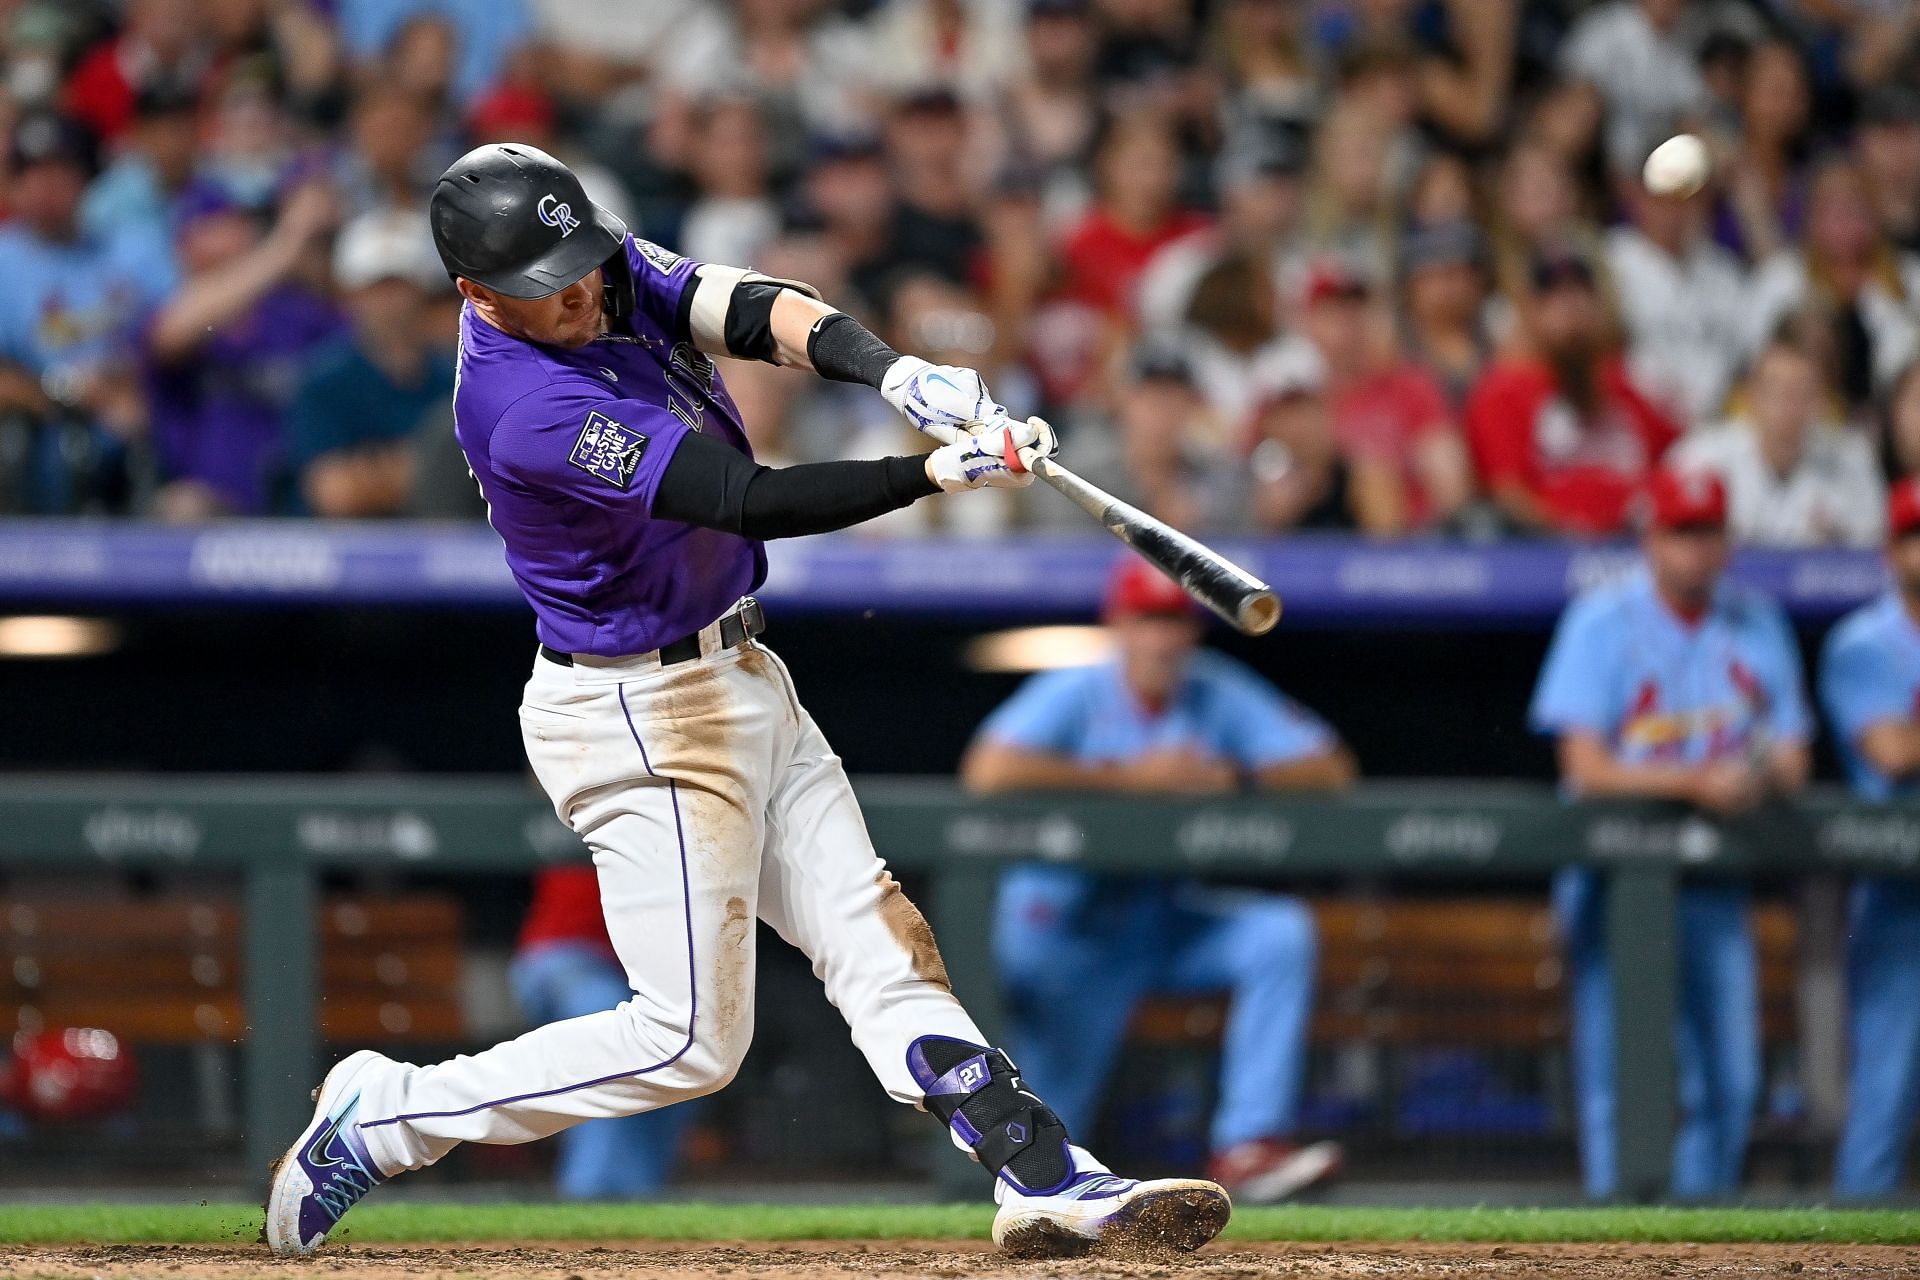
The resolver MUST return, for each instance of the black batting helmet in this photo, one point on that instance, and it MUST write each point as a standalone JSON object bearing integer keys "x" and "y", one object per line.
{"x": 512, "y": 218}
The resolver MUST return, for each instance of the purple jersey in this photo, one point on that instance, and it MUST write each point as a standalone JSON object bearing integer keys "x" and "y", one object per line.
{"x": 568, "y": 447}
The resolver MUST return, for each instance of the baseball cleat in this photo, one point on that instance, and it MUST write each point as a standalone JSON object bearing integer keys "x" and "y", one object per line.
{"x": 1098, "y": 1210}
{"x": 1269, "y": 1170}
{"x": 325, "y": 1173}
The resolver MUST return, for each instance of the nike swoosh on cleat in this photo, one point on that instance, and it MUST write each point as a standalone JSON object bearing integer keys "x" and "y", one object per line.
{"x": 317, "y": 1149}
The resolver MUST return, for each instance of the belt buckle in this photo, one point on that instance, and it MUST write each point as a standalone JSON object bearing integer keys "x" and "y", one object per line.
{"x": 753, "y": 619}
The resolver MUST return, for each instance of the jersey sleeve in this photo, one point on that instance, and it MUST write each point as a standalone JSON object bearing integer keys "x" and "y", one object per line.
{"x": 562, "y": 441}
{"x": 1860, "y": 685}
{"x": 1576, "y": 691}
{"x": 1048, "y": 714}
{"x": 1787, "y": 715}
{"x": 663, "y": 287}
{"x": 1260, "y": 727}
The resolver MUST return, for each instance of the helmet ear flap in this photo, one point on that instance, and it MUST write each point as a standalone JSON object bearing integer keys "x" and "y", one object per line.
{"x": 617, "y": 289}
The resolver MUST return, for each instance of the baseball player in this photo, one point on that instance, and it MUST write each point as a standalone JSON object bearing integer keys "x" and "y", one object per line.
{"x": 1673, "y": 684}
{"x": 1077, "y": 951}
{"x": 1870, "y": 686}
{"x": 618, "y": 474}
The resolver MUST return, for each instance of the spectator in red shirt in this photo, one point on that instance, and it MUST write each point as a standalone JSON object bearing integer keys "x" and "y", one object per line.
{"x": 1561, "y": 437}
{"x": 161, "y": 44}
{"x": 565, "y": 967}
{"x": 1137, "y": 172}
{"x": 1407, "y": 466}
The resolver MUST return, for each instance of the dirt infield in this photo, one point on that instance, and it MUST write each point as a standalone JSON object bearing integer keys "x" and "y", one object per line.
{"x": 951, "y": 1261}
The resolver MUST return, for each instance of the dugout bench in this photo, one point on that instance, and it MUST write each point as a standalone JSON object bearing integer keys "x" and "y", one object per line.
{"x": 277, "y": 835}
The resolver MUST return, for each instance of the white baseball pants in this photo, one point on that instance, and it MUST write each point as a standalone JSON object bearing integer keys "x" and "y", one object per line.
{"x": 708, "y": 797}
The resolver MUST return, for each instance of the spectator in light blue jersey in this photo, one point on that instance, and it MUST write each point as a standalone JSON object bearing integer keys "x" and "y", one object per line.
{"x": 1078, "y": 950}
{"x": 1674, "y": 684}
{"x": 69, "y": 316}
{"x": 1870, "y": 687}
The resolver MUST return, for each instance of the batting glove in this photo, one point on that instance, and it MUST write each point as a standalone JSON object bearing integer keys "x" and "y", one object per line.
{"x": 1000, "y": 457}
{"x": 940, "y": 400}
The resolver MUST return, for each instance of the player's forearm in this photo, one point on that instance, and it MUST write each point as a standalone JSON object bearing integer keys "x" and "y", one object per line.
{"x": 841, "y": 349}
{"x": 712, "y": 485}
{"x": 740, "y": 313}
{"x": 793, "y": 319}
{"x": 805, "y": 333}
{"x": 1789, "y": 766}
{"x": 1333, "y": 770}
{"x": 1892, "y": 747}
{"x": 355, "y": 484}
{"x": 990, "y": 767}
{"x": 216, "y": 298}
{"x": 1593, "y": 772}
{"x": 1518, "y": 504}
{"x": 1613, "y": 779}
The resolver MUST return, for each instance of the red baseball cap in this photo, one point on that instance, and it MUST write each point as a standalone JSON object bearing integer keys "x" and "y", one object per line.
{"x": 1687, "y": 499}
{"x": 1332, "y": 279}
{"x": 510, "y": 110}
{"x": 1137, "y": 589}
{"x": 1903, "y": 508}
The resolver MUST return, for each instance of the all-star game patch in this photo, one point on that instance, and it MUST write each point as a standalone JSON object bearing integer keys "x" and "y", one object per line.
{"x": 663, "y": 260}
{"x": 609, "y": 450}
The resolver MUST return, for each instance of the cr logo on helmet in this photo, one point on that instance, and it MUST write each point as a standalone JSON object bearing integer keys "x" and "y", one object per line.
{"x": 555, "y": 214}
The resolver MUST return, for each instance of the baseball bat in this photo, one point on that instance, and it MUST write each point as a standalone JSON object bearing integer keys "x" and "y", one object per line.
{"x": 1246, "y": 603}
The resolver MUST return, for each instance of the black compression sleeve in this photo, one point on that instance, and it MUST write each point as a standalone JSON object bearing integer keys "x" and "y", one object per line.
{"x": 711, "y": 484}
{"x": 844, "y": 350}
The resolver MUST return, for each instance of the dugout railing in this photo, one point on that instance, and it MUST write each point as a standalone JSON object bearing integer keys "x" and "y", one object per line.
{"x": 277, "y": 836}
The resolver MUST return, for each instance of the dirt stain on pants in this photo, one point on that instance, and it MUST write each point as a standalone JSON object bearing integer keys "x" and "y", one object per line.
{"x": 911, "y": 930}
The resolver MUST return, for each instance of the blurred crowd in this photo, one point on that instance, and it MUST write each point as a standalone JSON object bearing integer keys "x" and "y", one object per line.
{"x": 1382, "y": 265}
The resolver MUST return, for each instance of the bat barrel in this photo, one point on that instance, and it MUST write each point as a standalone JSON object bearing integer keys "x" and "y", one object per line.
{"x": 1242, "y": 600}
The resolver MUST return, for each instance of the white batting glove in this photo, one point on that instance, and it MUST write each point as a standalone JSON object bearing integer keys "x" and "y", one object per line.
{"x": 999, "y": 457}
{"x": 940, "y": 400}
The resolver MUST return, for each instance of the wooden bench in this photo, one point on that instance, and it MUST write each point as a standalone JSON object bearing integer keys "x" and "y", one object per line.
{"x": 1471, "y": 972}
{"x": 168, "y": 970}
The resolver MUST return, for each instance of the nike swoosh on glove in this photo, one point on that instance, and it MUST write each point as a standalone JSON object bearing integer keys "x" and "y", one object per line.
{"x": 939, "y": 399}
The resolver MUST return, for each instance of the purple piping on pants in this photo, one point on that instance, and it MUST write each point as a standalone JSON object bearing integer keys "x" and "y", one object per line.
{"x": 693, "y": 989}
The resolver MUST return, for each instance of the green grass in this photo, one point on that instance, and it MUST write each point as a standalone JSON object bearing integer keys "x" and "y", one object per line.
{"x": 395, "y": 1223}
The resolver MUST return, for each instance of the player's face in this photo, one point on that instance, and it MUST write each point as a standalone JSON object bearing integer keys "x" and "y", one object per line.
{"x": 1686, "y": 563}
{"x": 1338, "y": 326}
{"x": 47, "y": 196}
{"x": 569, "y": 318}
{"x": 1785, "y": 392}
{"x": 1154, "y": 649}
{"x": 386, "y": 306}
{"x": 1568, "y": 319}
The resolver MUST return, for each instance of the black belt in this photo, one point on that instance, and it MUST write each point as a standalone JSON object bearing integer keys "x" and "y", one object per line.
{"x": 746, "y": 621}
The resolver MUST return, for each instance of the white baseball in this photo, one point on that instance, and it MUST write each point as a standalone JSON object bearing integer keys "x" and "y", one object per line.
{"x": 1677, "y": 167}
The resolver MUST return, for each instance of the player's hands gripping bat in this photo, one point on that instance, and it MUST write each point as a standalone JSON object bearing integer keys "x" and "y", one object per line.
{"x": 1242, "y": 600}
{"x": 999, "y": 455}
